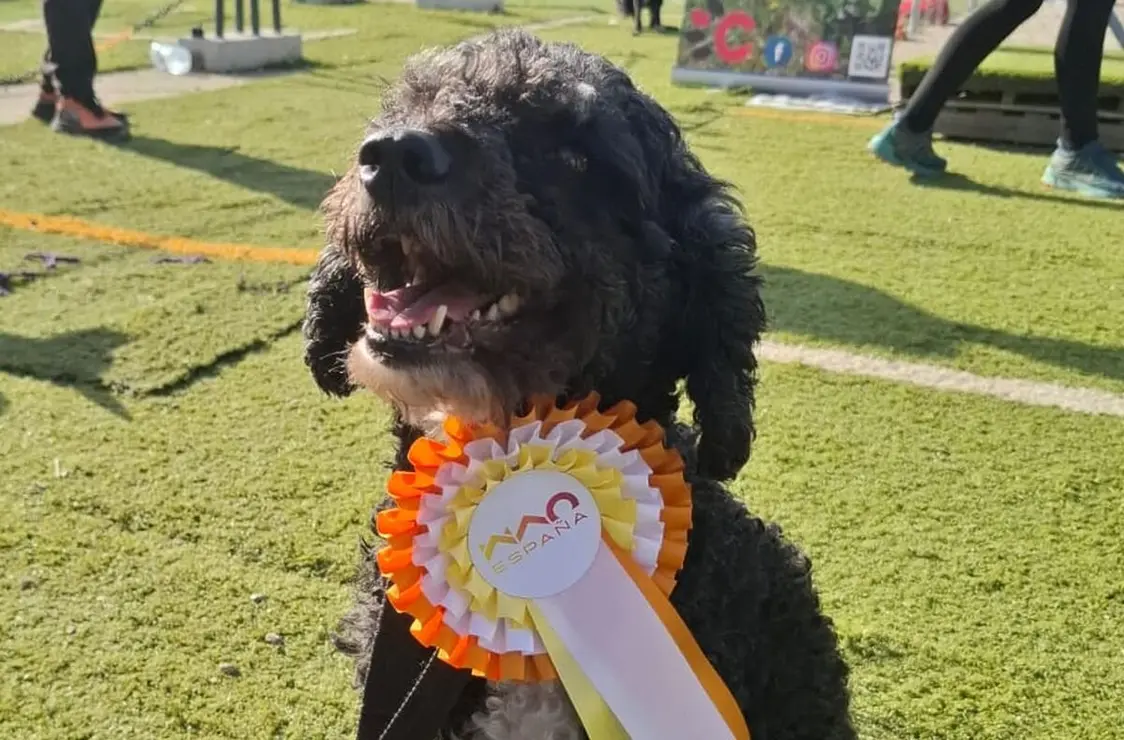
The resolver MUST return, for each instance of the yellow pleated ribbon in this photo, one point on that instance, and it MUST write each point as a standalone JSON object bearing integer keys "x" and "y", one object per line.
{"x": 535, "y": 645}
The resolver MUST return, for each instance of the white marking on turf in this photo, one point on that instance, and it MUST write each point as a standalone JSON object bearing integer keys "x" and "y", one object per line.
{"x": 559, "y": 23}
{"x": 1029, "y": 392}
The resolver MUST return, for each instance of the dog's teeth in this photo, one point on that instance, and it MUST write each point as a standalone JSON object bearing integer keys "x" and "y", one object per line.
{"x": 509, "y": 304}
{"x": 476, "y": 315}
{"x": 419, "y": 331}
{"x": 493, "y": 312}
{"x": 438, "y": 320}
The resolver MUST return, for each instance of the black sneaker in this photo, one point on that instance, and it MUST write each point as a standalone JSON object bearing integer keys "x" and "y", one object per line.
{"x": 44, "y": 109}
{"x": 76, "y": 118}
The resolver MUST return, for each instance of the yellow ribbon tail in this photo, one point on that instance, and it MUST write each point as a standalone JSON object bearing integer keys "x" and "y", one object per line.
{"x": 597, "y": 718}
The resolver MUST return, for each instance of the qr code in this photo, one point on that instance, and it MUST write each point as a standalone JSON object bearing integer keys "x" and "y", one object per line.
{"x": 870, "y": 57}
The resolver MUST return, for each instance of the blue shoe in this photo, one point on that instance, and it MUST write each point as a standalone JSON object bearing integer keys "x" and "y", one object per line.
{"x": 899, "y": 146}
{"x": 1091, "y": 170}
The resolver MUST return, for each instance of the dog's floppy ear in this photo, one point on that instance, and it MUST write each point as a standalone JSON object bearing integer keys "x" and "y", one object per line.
{"x": 333, "y": 320}
{"x": 724, "y": 320}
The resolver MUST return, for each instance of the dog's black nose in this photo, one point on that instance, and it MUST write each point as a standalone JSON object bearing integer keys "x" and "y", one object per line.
{"x": 408, "y": 153}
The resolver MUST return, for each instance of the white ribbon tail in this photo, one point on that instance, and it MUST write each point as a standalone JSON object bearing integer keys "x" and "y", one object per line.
{"x": 627, "y": 654}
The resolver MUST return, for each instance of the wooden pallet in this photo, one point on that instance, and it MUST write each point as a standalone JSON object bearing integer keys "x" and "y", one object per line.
{"x": 1021, "y": 116}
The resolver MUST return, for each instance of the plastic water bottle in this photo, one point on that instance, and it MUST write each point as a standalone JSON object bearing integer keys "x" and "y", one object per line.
{"x": 171, "y": 58}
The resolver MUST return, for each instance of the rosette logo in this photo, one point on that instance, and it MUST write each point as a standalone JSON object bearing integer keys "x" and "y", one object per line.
{"x": 535, "y": 534}
{"x": 822, "y": 56}
{"x": 562, "y": 514}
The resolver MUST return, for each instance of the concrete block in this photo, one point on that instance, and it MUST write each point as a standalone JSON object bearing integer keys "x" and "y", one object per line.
{"x": 484, "y": 6}
{"x": 236, "y": 52}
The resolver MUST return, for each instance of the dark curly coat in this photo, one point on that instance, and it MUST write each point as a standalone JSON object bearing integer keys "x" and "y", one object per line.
{"x": 585, "y": 248}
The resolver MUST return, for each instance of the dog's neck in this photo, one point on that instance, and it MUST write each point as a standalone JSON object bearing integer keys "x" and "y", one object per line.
{"x": 432, "y": 424}
{"x": 430, "y": 421}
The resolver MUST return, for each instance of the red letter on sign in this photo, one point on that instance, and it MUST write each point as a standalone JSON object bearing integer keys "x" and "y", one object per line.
{"x": 730, "y": 21}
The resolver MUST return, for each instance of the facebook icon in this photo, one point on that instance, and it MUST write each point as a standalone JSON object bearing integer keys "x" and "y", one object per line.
{"x": 777, "y": 51}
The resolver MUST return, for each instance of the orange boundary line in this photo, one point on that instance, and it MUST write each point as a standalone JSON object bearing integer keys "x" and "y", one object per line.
{"x": 73, "y": 227}
{"x": 67, "y": 226}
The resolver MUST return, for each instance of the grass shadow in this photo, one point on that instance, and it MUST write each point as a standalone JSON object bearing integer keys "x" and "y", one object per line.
{"x": 564, "y": 9}
{"x": 593, "y": 9}
{"x": 1045, "y": 149}
{"x": 75, "y": 360}
{"x": 294, "y": 185}
{"x": 844, "y": 312}
{"x": 344, "y": 79}
{"x": 963, "y": 183}
{"x": 484, "y": 24}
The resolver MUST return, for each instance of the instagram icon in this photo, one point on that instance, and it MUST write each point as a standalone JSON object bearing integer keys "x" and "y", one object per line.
{"x": 822, "y": 56}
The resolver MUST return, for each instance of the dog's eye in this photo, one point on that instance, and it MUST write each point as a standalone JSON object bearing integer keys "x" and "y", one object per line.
{"x": 575, "y": 160}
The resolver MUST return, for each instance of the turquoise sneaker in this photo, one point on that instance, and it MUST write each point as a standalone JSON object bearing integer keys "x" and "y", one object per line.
{"x": 899, "y": 146}
{"x": 1092, "y": 170}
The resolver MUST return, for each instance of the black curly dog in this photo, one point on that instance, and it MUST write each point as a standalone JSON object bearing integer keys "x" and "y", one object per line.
{"x": 521, "y": 220}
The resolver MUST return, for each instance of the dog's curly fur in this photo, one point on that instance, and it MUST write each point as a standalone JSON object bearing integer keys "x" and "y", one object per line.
{"x": 574, "y": 191}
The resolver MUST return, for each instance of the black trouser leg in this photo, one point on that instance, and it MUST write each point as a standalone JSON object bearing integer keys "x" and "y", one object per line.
{"x": 70, "y": 39}
{"x": 94, "y": 7}
{"x": 654, "y": 13}
{"x": 969, "y": 45}
{"x": 47, "y": 83}
{"x": 1077, "y": 59}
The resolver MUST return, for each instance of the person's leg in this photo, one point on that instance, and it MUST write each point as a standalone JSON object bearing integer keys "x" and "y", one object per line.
{"x": 654, "y": 14}
{"x": 971, "y": 43}
{"x": 94, "y": 8}
{"x": 72, "y": 47}
{"x": 47, "y": 79}
{"x": 908, "y": 141}
{"x": 44, "y": 109}
{"x": 72, "y": 50}
{"x": 1077, "y": 59}
{"x": 1080, "y": 162}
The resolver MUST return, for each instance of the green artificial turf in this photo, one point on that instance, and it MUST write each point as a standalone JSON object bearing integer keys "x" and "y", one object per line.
{"x": 968, "y": 549}
{"x": 164, "y": 454}
{"x": 135, "y": 325}
{"x": 985, "y": 270}
{"x": 20, "y": 52}
{"x": 1019, "y": 69}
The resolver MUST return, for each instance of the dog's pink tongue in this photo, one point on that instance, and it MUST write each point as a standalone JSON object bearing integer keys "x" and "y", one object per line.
{"x": 413, "y": 305}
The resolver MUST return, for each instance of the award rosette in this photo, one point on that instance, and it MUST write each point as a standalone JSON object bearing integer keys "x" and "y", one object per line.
{"x": 547, "y": 551}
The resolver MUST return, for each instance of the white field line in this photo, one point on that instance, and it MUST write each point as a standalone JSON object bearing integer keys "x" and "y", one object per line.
{"x": 1029, "y": 392}
{"x": 559, "y": 23}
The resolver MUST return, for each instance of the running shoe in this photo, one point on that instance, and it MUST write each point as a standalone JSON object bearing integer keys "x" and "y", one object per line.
{"x": 1091, "y": 170}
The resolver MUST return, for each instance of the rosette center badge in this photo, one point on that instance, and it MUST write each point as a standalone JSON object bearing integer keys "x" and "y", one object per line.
{"x": 547, "y": 548}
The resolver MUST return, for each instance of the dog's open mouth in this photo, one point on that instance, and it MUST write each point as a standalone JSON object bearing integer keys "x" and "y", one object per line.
{"x": 434, "y": 309}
